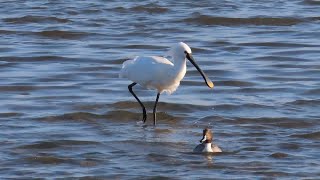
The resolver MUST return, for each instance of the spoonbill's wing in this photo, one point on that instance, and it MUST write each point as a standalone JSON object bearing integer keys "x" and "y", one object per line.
{"x": 146, "y": 71}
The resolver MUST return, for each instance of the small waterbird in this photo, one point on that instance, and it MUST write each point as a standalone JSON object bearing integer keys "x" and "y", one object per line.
{"x": 206, "y": 143}
{"x": 159, "y": 73}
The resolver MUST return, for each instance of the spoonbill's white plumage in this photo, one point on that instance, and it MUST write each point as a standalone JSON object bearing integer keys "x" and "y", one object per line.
{"x": 159, "y": 73}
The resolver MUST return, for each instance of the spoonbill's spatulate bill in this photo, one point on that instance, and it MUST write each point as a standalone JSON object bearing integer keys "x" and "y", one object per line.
{"x": 159, "y": 73}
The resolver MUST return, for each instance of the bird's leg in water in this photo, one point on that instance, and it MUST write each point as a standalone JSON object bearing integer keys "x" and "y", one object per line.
{"x": 155, "y": 110}
{"x": 143, "y": 108}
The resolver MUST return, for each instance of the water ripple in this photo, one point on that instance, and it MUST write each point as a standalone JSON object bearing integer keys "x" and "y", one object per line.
{"x": 65, "y": 113}
{"x": 257, "y": 21}
{"x": 35, "y": 19}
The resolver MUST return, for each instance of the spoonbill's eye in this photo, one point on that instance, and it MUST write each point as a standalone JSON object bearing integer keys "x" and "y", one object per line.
{"x": 185, "y": 52}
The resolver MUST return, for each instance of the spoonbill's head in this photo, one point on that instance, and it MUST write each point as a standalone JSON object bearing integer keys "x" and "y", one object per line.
{"x": 181, "y": 51}
{"x": 177, "y": 52}
{"x": 207, "y": 136}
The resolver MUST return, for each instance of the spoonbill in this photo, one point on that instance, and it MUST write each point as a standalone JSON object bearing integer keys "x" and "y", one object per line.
{"x": 159, "y": 73}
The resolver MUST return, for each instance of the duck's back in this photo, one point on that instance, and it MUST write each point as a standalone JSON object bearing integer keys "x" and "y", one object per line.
{"x": 202, "y": 148}
{"x": 199, "y": 148}
{"x": 215, "y": 148}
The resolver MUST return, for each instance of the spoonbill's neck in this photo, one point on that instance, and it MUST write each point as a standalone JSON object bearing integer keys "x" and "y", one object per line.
{"x": 179, "y": 59}
{"x": 180, "y": 67}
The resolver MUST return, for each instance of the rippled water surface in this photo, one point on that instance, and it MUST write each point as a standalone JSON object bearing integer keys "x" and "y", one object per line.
{"x": 64, "y": 113}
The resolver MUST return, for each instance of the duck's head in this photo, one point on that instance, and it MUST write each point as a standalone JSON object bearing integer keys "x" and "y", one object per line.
{"x": 207, "y": 136}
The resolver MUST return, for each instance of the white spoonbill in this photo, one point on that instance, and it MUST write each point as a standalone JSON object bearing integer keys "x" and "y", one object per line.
{"x": 159, "y": 73}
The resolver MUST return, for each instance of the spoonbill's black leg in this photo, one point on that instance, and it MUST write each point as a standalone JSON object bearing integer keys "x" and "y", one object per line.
{"x": 143, "y": 108}
{"x": 155, "y": 110}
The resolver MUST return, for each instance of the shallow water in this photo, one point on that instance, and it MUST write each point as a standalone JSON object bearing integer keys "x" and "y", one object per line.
{"x": 64, "y": 112}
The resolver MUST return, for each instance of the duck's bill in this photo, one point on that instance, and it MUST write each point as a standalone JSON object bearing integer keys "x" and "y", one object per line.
{"x": 203, "y": 139}
{"x": 205, "y": 77}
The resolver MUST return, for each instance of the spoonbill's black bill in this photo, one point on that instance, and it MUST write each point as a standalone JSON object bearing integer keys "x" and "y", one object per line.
{"x": 159, "y": 73}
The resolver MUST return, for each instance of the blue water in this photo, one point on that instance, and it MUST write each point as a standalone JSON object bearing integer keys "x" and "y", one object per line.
{"x": 64, "y": 113}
